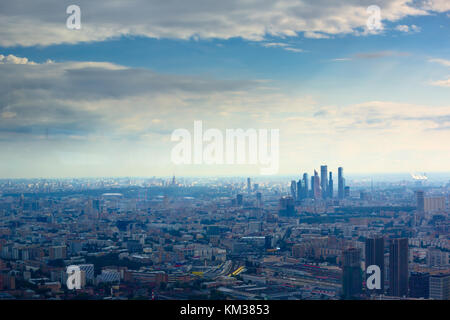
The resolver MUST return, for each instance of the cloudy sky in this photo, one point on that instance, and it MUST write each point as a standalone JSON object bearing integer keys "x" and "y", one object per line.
{"x": 104, "y": 100}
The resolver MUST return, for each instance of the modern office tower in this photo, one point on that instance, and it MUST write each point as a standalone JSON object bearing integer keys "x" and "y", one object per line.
{"x": 330, "y": 186}
{"x": 316, "y": 190}
{"x": 311, "y": 192}
{"x": 440, "y": 287}
{"x": 239, "y": 199}
{"x": 259, "y": 199}
{"x": 249, "y": 185}
{"x": 351, "y": 273}
{"x": 437, "y": 258}
{"x": 108, "y": 276}
{"x": 305, "y": 185}
{"x": 398, "y": 267}
{"x": 294, "y": 189}
{"x": 341, "y": 183}
{"x": 89, "y": 271}
{"x": 300, "y": 190}
{"x": 374, "y": 255}
{"x": 434, "y": 204}
{"x": 324, "y": 181}
{"x": 57, "y": 252}
{"x": 346, "y": 192}
{"x": 420, "y": 201}
{"x": 386, "y": 268}
{"x": 419, "y": 285}
{"x": 255, "y": 186}
{"x": 287, "y": 206}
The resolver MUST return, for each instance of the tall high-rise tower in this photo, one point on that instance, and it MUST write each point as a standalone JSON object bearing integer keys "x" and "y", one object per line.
{"x": 259, "y": 199}
{"x": 420, "y": 199}
{"x": 316, "y": 189}
{"x": 249, "y": 185}
{"x": 305, "y": 185}
{"x": 419, "y": 285}
{"x": 351, "y": 273}
{"x": 330, "y": 186}
{"x": 440, "y": 286}
{"x": 294, "y": 189}
{"x": 300, "y": 190}
{"x": 324, "y": 181}
{"x": 287, "y": 207}
{"x": 375, "y": 256}
{"x": 341, "y": 183}
{"x": 398, "y": 267}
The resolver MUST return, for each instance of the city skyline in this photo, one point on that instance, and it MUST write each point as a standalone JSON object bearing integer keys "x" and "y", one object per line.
{"x": 231, "y": 238}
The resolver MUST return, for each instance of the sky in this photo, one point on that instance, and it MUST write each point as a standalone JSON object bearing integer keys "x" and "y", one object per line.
{"x": 104, "y": 100}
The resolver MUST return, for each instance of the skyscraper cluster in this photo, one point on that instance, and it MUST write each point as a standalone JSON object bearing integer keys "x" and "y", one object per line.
{"x": 321, "y": 187}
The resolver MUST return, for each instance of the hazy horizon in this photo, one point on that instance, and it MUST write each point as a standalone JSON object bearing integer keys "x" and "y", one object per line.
{"x": 376, "y": 176}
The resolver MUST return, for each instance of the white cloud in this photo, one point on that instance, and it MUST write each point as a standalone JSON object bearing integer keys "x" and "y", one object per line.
{"x": 44, "y": 23}
{"x": 282, "y": 45}
{"x": 342, "y": 59}
{"x": 315, "y": 35}
{"x": 403, "y": 28}
{"x": 372, "y": 55}
{"x": 415, "y": 28}
{"x": 11, "y": 59}
{"x": 8, "y": 114}
{"x": 436, "y": 5}
{"x": 294, "y": 49}
{"x": 274, "y": 44}
{"x": 406, "y": 28}
{"x": 444, "y": 62}
{"x": 441, "y": 83}
{"x": 79, "y": 98}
